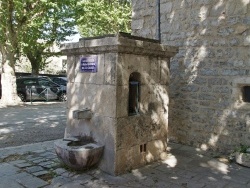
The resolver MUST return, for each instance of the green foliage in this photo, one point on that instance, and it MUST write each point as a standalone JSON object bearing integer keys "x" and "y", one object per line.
{"x": 55, "y": 23}
{"x": 12, "y": 28}
{"x": 30, "y": 27}
{"x": 242, "y": 148}
{"x": 103, "y": 17}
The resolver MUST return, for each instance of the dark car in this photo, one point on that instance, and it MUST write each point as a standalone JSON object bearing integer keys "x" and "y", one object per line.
{"x": 60, "y": 80}
{"x": 39, "y": 88}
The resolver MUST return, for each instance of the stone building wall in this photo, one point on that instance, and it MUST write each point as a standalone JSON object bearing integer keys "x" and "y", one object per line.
{"x": 208, "y": 74}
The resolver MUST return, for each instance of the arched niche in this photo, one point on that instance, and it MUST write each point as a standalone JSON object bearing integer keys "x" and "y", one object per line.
{"x": 134, "y": 94}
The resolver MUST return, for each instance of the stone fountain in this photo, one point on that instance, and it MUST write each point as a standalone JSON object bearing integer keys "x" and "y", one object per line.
{"x": 117, "y": 96}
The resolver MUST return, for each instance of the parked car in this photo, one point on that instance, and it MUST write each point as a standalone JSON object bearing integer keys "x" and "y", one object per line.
{"x": 39, "y": 88}
{"x": 62, "y": 81}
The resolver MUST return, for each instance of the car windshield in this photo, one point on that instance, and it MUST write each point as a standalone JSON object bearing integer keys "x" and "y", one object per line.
{"x": 26, "y": 82}
{"x": 44, "y": 82}
{"x": 29, "y": 82}
{"x": 60, "y": 80}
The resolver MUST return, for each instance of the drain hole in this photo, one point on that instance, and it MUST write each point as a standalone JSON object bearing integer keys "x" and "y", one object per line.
{"x": 246, "y": 94}
{"x": 143, "y": 148}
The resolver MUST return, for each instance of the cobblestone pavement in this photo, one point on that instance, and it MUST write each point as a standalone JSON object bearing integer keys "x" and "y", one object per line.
{"x": 36, "y": 165}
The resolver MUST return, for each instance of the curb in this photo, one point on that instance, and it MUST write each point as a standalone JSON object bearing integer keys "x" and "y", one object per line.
{"x": 21, "y": 150}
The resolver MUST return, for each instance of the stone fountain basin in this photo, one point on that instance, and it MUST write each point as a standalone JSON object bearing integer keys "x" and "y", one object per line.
{"x": 78, "y": 157}
{"x": 243, "y": 159}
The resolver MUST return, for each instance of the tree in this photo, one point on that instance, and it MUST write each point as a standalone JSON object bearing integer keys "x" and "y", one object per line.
{"x": 103, "y": 17}
{"x": 57, "y": 23}
{"x": 11, "y": 28}
{"x": 22, "y": 23}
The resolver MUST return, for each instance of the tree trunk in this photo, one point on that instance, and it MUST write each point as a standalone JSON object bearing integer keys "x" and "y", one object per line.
{"x": 34, "y": 71}
{"x": 8, "y": 80}
{"x": 35, "y": 58}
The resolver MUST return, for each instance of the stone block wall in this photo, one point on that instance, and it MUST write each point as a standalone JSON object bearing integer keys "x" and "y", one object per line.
{"x": 150, "y": 126}
{"x": 207, "y": 75}
{"x": 94, "y": 91}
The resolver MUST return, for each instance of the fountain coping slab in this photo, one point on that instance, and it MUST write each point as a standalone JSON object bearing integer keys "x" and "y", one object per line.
{"x": 119, "y": 43}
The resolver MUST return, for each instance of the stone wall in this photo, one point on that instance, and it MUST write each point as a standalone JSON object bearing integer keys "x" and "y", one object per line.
{"x": 208, "y": 73}
{"x": 150, "y": 126}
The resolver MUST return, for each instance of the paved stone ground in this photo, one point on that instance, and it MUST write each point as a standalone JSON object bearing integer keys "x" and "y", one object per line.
{"x": 36, "y": 165}
{"x": 29, "y": 123}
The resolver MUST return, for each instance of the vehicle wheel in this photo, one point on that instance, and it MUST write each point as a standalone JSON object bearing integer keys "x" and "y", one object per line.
{"x": 63, "y": 97}
{"x": 22, "y": 97}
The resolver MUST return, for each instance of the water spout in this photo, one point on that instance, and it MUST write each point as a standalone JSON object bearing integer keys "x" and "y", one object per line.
{"x": 82, "y": 114}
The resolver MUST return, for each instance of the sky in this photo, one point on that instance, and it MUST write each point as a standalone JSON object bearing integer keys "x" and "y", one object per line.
{"x": 73, "y": 38}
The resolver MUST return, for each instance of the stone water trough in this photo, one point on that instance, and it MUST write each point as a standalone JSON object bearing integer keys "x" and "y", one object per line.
{"x": 79, "y": 152}
{"x": 243, "y": 158}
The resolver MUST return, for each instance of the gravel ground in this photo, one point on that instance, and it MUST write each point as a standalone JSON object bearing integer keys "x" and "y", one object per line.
{"x": 31, "y": 123}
